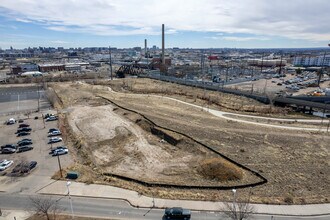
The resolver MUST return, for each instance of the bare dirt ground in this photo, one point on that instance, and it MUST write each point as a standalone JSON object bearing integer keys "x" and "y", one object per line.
{"x": 295, "y": 163}
{"x": 123, "y": 147}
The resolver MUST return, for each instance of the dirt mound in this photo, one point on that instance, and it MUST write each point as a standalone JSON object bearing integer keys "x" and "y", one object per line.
{"x": 220, "y": 170}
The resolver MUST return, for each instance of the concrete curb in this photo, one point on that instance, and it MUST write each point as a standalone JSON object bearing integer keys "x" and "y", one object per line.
{"x": 197, "y": 210}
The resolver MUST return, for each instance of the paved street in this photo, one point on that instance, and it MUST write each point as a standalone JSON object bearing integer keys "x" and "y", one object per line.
{"x": 118, "y": 209}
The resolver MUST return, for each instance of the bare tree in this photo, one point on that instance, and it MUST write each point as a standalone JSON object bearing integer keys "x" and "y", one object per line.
{"x": 22, "y": 165}
{"x": 45, "y": 206}
{"x": 238, "y": 210}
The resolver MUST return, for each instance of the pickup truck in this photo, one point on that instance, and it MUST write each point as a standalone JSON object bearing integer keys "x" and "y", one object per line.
{"x": 177, "y": 213}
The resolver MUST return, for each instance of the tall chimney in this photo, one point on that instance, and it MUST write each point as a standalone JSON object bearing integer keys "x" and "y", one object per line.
{"x": 145, "y": 47}
{"x": 163, "y": 44}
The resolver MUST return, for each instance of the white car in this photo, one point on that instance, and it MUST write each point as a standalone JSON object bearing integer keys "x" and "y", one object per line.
{"x": 54, "y": 133}
{"x": 54, "y": 140}
{"x": 5, "y": 164}
{"x": 11, "y": 121}
{"x": 58, "y": 152}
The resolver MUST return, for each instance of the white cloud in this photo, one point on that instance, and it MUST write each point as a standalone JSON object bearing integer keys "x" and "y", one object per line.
{"x": 295, "y": 19}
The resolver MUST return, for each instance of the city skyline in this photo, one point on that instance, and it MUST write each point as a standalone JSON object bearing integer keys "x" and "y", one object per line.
{"x": 189, "y": 24}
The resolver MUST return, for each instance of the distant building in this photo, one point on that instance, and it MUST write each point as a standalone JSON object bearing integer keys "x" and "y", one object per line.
{"x": 51, "y": 67}
{"x": 157, "y": 61}
{"x": 213, "y": 57}
{"x": 73, "y": 68}
{"x": 72, "y": 54}
{"x": 137, "y": 48}
{"x": 26, "y": 67}
{"x": 266, "y": 63}
{"x": 312, "y": 61}
{"x": 15, "y": 70}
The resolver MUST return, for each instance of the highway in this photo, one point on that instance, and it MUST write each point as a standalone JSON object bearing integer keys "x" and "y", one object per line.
{"x": 117, "y": 209}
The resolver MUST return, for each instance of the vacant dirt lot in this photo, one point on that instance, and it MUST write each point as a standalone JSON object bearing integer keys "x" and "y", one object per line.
{"x": 294, "y": 162}
{"x": 121, "y": 143}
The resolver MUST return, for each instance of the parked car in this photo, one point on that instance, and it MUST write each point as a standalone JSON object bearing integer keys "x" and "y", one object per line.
{"x": 279, "y": 84}
{"x": 5, "y": 164}
{"x": 54, "y": 133}
{"x": 25, "y": 142}
{"x": 48, "y": 115}
{"x": 24, "y": 148}
{"x": 8, "y": 150}
{"x": 25, "y": 139}
{"x": 9, "y": 146}
{"x": 10, "y": 121}
{"x": 58, "y": 152}
{"x": 51, "y": 118}
{"x": 23, "y": 126}
{"x": 23, "y": 133}
{"x": 177, "y": 213}
{"x": 24, "y": 167}
{"x": 23, "y": 129}
{"x": 57, "y": 148}
{"x": 53, "y": 129}
{"x": 54, "y": 140}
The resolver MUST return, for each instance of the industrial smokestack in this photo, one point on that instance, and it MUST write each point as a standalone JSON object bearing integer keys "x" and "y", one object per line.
{"x": 163, "y": 44}
{"x": 145, "y": 48}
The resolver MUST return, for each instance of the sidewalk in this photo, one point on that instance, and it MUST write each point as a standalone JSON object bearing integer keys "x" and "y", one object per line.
{"x": 132, "y": 197}
{"x": 14, "y": 214}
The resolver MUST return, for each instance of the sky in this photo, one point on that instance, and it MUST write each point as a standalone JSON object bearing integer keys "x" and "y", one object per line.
{"x": 188, "y": 23}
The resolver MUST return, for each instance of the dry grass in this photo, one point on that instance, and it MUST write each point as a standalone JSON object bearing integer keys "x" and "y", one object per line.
{"x": 198, "y": 96}
{"x": 220, "y": 170}
{"x": 294, "y": 162}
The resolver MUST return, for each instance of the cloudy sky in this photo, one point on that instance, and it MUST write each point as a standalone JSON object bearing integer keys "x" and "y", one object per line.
{"x": 189, "y": 23}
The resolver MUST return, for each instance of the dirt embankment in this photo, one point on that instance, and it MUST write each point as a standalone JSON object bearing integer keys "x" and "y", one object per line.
{"x": 216, "y": 100}
{"x": 124, "y": 144}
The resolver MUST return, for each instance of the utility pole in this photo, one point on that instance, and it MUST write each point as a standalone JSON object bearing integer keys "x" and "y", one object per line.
{"x": 280, "y": 72}
{"x": 202, "y": 63}
{"x": 110, "y": 63}
{"x": 59, "y": 164}
{"x": 163, "y": 45}
{"x": 38, "y": 97}
{"x": 262, "y": 63}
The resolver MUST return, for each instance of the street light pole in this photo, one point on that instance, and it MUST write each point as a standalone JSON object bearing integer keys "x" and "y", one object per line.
{"x": 68, "y": 183}
{"x": 234, "y": 201}
{"x": 38, "y": 98}
{"x": 17, "y": 101}
{"x": 110, "y": 63}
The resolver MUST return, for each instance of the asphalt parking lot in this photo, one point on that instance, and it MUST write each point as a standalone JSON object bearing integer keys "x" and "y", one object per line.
{"x": 47, "y": 165}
